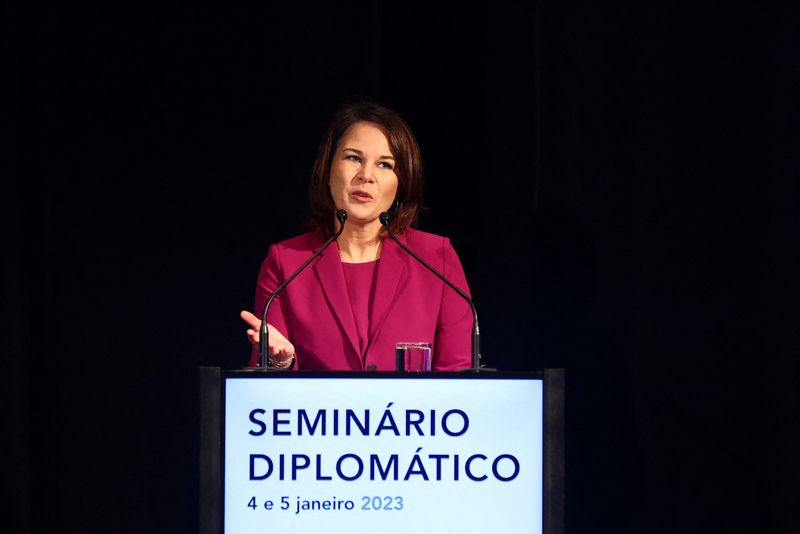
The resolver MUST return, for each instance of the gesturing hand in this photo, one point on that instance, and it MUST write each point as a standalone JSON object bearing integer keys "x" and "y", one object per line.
{"x": 280, "y": 348}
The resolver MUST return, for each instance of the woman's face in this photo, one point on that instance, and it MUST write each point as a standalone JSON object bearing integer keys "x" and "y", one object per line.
{"x": 362, "y": 180}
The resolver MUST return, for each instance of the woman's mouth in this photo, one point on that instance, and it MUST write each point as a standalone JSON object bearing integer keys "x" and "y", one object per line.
{"x": 361, "y": 196}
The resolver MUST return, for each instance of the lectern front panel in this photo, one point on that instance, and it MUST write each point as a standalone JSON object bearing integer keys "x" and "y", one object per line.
{"x": 382, "y": 454}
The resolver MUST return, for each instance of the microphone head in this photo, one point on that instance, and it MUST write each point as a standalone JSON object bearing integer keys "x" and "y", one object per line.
{"x": 385, "y": 217}
{"x": 341, "y": 216}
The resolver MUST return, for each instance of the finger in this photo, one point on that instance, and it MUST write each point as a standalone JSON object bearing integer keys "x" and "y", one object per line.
{"x": 250, "y": 319}
{"x": 278, "y": 350}
{"x": 283, "y": 354}
{"x": 252, "y": 335}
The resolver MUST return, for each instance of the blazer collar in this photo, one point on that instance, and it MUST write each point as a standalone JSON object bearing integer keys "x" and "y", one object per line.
{"x": 391, "y": 276}
{"x": 331, "y": 276}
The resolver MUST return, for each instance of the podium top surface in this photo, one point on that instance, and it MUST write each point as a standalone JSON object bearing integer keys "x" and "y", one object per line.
{"x": 372, "y": 375}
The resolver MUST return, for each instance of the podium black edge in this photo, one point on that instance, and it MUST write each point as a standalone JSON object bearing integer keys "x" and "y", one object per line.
{"x": 554, "y": 451}
{"x": 210, "y": 442}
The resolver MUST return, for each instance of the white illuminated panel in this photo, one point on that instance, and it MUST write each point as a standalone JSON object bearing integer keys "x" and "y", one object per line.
{"x": 456, "y": 455}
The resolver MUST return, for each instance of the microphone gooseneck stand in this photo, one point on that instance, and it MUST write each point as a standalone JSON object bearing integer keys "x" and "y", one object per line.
{"x": 263, "y": 349}
{"x": 385, "y": 218}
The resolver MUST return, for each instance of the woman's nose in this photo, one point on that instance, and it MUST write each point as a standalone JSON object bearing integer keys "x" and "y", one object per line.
{"x": 366, "y": 174}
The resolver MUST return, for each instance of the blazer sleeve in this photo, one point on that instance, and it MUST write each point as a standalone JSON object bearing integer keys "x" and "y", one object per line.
{"x": 270, "y": 277}
{"x": 453, "y": 342}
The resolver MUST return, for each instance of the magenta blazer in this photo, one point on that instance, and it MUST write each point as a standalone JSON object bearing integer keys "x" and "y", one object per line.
{"x": 410, "y": 304}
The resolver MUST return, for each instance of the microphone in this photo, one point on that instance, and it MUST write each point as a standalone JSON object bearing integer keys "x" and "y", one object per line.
{"x": 385, "y": 218}
{"x": 263, "y": 348}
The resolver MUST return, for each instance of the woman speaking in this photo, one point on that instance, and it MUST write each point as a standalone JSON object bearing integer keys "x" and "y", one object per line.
{"x": 364, "y": 293}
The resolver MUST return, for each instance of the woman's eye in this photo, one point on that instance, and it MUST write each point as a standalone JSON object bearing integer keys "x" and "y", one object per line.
{"x": 352, "y": 157}
{"x": 385, "y": 165}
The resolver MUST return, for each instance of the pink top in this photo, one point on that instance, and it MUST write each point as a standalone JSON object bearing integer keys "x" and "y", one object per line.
{"x": 360, "y": 279}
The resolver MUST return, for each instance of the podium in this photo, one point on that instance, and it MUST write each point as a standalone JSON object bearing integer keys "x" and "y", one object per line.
{"x": 312, "y": 452}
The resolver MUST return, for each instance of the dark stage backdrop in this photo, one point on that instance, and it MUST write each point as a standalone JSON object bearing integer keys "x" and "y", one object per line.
{"x": 619, "y": 180}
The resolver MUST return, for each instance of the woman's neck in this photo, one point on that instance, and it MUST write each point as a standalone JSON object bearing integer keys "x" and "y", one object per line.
{"x": 360, "y": 243}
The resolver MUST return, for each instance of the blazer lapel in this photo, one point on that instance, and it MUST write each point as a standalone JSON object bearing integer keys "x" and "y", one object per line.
{"x": 331, "y": 277}
{"x": 392, "y": 273}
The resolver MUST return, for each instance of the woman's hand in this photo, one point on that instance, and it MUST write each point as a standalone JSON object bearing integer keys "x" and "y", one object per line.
{"x": 280, "y": 349}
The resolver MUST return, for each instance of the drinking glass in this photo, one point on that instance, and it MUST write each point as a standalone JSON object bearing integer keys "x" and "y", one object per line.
{"x": 413, "y": 356}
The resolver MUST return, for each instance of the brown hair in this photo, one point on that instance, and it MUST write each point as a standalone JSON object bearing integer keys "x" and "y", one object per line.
{"x": 408, "y": 166}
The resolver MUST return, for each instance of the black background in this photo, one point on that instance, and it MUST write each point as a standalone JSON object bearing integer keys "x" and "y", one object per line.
{"x": 619, "y": 179}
